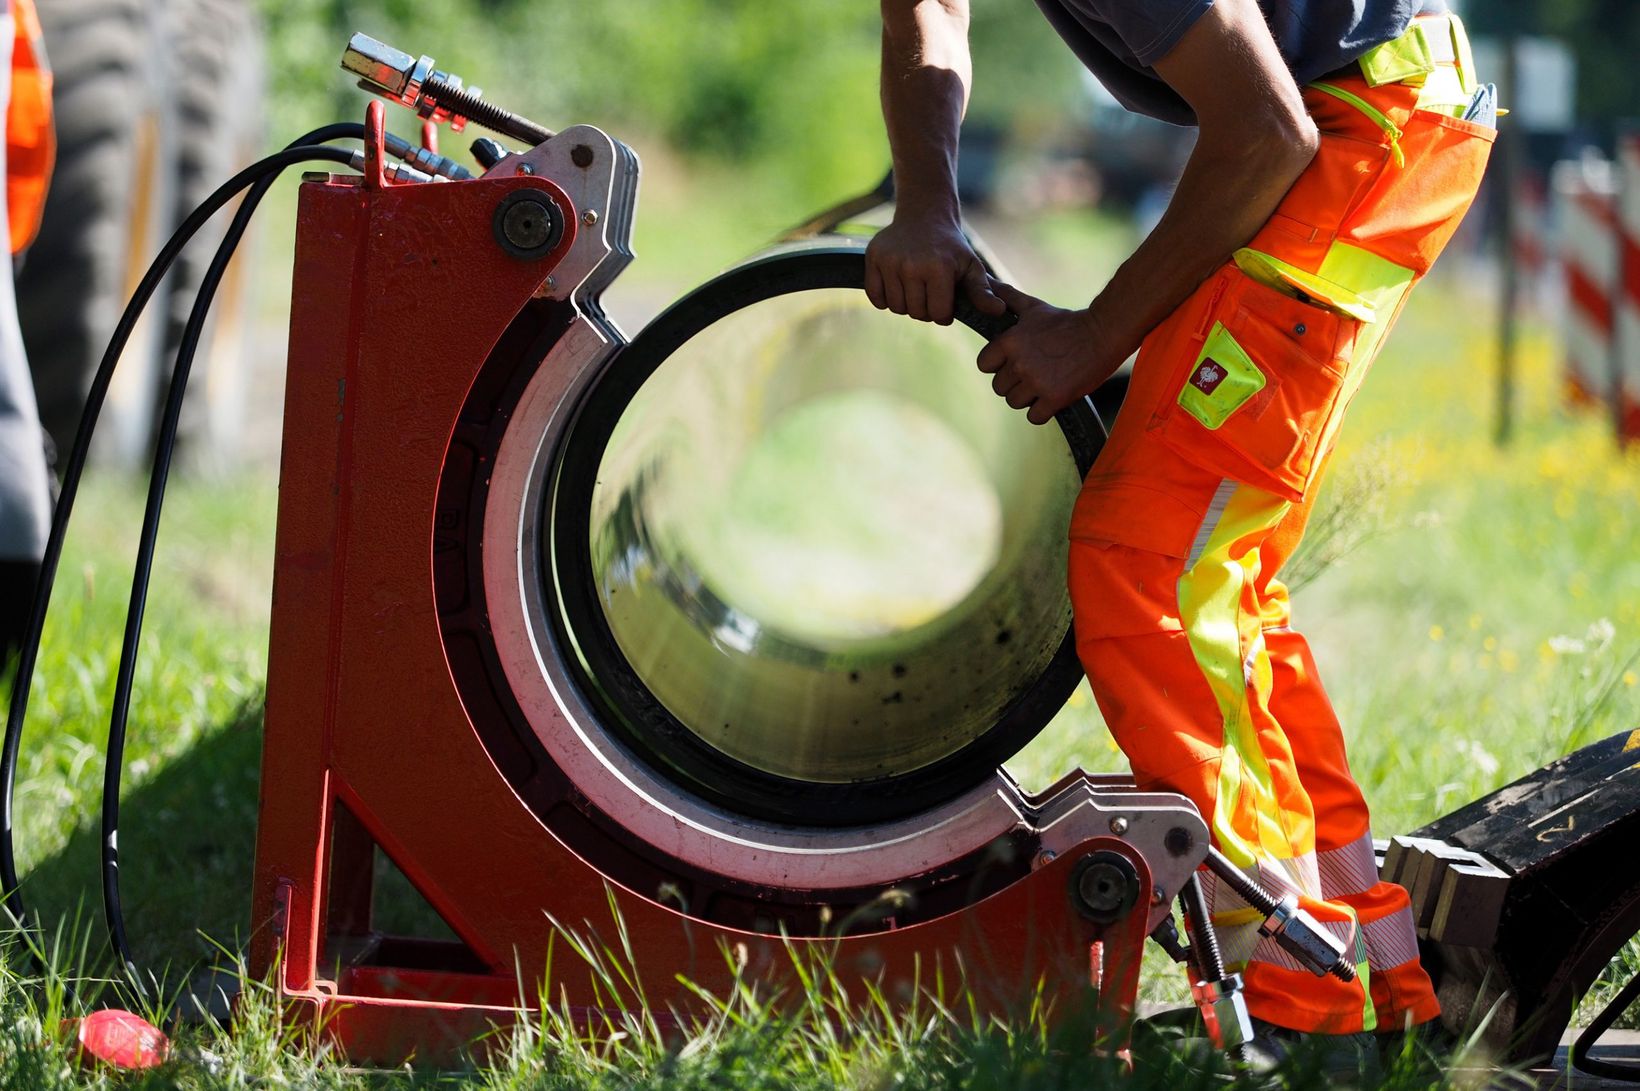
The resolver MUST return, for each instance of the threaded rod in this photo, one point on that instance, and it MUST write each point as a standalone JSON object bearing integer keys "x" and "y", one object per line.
{"x": 462, "y": 102}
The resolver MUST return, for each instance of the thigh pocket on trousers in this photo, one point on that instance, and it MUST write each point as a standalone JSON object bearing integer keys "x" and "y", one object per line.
{"x": 1414, "y": 210}
{"x": 1258, "y": 395}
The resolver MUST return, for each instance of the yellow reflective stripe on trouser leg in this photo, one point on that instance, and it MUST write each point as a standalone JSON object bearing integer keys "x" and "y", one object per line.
{"x": 1228, "y": 645}
{"x": 1363, "y": 977}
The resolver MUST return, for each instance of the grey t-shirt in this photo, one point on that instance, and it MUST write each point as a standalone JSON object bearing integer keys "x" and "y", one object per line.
{"x": 1119, "y": 40}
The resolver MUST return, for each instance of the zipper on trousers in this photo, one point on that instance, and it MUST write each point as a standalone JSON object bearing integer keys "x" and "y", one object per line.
{"x": 1212, "y": 313}
{"x": 1372, "y": 114}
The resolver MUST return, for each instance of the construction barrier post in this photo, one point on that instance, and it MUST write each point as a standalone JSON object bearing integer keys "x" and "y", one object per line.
{"x": 1585, "y": 200}
{"x": 1625, "y": 360}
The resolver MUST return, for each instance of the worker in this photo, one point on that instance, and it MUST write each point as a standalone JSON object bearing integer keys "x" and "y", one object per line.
{"x": 25, "y": 506}
{"x": 1333, "y": 161}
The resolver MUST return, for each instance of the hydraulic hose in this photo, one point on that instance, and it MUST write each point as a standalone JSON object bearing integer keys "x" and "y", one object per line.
{"x": 259, "y": 175}
{"x": 113, "y": 762}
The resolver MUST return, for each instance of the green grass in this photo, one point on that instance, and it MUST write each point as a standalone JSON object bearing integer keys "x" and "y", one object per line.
{"x": 194, "y": 735}
{"x": 1477, "y": 614}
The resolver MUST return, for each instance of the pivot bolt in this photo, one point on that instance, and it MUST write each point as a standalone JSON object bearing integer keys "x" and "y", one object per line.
{"x": 528, "y": 224}
{"x": 1119, "y": 825}
{"x": 1104, "y": 886}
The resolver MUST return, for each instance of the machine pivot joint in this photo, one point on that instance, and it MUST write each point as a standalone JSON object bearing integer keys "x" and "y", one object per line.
{"x": 1104, "y": 886}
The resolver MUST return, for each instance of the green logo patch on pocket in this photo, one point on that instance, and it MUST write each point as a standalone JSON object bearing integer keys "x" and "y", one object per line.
{"x": 1222, "y": 381}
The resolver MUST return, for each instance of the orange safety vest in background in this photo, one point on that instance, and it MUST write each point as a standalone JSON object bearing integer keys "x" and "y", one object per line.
{"x": 31, "y": 144}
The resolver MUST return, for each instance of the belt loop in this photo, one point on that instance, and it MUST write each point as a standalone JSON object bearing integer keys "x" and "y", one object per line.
{"x": 1406, "y": 59}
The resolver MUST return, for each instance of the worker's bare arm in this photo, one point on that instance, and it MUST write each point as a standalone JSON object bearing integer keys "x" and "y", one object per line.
{"x": 1255, "y": 140}
{"x": 914, "y": 265}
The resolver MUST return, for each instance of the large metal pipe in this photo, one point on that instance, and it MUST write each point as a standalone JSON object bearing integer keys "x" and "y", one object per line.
{"x": 811, "y": 565}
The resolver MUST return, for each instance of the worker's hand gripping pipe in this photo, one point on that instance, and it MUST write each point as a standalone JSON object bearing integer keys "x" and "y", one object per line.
{"x": 1298, "y": 933}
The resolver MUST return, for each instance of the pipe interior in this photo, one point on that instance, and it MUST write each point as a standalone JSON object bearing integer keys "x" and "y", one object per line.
{"x": 824, "y": 544}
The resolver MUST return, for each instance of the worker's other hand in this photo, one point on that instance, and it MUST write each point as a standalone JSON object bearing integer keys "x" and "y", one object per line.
{"x": 916, "y": 264}
{"x": 1047, "y": 360}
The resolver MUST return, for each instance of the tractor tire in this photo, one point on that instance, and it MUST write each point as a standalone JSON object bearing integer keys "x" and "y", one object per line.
{"x": 109, "y": 210}
{"x": 219, "y": 86}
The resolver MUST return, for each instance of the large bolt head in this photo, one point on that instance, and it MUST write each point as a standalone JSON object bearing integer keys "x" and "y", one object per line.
{"x": 528, "y": 224}
{"x": 378, "y": 63}
{"x": 1104, "y": 886}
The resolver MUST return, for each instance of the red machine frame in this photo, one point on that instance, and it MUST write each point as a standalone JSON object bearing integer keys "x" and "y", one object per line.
{"x": 399, "y": 296}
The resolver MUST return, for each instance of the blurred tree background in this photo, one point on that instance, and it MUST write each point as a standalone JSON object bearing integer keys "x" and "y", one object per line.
{"x": 1603, "y": 35}
{"x": 788, "y": 91}
{"x": 784, "y": 91}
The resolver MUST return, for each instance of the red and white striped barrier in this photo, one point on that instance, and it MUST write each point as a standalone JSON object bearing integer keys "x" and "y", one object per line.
{"x": 1585, "y": 199}
{"x": 1625, "y": 382}
{"x": 1536, "y": 257}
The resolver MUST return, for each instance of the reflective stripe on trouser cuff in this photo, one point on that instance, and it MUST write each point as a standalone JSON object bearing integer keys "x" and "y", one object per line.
{"x": 1349, "y": 869}
{"x": 1242, "y": 946}
{"x": 1391, "y": 940}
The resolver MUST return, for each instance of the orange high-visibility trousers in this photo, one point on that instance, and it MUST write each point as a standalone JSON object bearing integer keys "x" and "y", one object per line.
{"x": 1202, "y": 493}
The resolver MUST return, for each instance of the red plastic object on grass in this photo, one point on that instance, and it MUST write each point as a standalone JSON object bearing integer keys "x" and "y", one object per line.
{"x": 121, "y": 1039}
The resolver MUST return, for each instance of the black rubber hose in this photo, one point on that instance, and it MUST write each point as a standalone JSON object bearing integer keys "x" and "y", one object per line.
{"x": 73, "y": 471}
{"x": 114, "y": 758}
{"x": 1623, "y": 1071}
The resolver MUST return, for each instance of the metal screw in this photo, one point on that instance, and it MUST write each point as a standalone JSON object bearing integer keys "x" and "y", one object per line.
{"x": 548, "y": 284}
{"x": 1301, "y": 329}
{"x": 1157, "y": 895}
{"x": 525, "y": 168}
{"x": 1118, "y": 825}
{"x": 1043, "y": 859}
{"x": 589, "y": 217}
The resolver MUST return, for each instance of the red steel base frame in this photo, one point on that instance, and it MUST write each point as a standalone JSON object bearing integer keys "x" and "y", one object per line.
{"x": 400, "y": 294}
